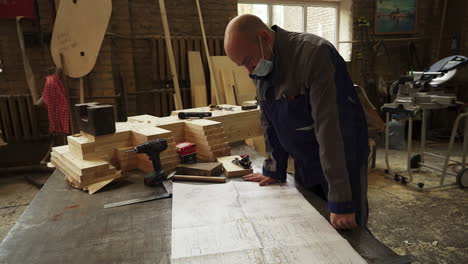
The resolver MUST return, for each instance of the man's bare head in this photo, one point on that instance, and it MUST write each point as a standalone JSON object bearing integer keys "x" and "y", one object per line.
{"x": 244, "y": 39}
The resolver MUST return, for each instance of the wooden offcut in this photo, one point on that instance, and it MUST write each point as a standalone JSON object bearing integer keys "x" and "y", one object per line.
{"x": 231, "y": 169}
{"x": 200, "y": 169}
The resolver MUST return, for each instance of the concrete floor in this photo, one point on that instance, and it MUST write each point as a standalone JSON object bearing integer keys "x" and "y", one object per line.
{"x": 433, "y": 226}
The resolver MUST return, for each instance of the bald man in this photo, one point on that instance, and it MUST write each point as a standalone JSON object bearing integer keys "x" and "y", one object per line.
{"x": 310, "y": 110}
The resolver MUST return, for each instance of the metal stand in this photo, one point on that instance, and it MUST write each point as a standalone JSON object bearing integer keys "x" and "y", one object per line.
{"x": 417, "y": 161}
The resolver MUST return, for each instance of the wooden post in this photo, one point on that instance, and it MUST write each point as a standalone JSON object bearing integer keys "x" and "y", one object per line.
{"x": 82, "y": 91}
{"x": 212, "y": 75}
{"x": 170, "y": 53}
{"x": 441, "y": 32}
{"x": 67, "y": 92}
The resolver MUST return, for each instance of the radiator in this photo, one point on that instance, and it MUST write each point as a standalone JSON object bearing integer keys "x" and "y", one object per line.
{"x": 18, "y": 118}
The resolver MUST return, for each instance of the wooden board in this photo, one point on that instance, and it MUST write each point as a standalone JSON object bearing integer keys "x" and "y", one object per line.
{"x": 97, "y": 186}
{"x": 228, "y": 86}
{"x": 221, "y": 63}
{"x": 2, "y": 143}
{"x": 244, "y": 86}
{"x": 197, "y": 79}
{"x": 200, "y": 169}
{"x": 231, "y": 169}
{"x": 78, "y": 34}
{"x": 199, "y": 178}
{"x": 170, "y": 53}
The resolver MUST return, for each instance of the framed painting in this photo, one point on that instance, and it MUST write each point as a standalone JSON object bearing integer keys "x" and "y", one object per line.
{"x": 395, "y": 17}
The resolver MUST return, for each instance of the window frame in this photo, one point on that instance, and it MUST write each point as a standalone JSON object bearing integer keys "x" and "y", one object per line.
{"x": 304, "y": 5}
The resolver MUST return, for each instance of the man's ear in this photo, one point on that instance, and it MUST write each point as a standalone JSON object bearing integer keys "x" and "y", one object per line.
{"x": 263, "y": 34}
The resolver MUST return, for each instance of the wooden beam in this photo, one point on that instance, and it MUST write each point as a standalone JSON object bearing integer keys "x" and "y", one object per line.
{"x": 441, "y": 32}
{"x": 197, "y": 79}
{"x": 212, "y": 73}
{"x": 170, "y": 53}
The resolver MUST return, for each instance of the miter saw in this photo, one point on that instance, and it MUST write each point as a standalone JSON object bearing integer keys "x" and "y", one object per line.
{"x": 423, "y": 91}
{"x": 420, "y": 90}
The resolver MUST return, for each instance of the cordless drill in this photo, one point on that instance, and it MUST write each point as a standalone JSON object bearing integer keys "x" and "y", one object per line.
{"x": 153, "y": 149}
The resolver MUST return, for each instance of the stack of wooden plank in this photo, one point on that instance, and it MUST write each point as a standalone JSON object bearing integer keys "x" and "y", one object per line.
{"x": 238, "y": 124}
{"x": 171, "y": 123}
{"x": 88, "y": 160}
{"x": 125, "y": 159}
{"x": 210, "y": 138}
{"x": 89, "y": 147}
{"x": 82, "y": 173}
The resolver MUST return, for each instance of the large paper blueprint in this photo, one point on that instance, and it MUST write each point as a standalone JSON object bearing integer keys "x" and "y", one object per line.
{"x": 242, "y": 223}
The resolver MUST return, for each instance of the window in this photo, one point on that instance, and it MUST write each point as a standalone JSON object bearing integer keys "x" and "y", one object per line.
{"x": 319, "y": 18}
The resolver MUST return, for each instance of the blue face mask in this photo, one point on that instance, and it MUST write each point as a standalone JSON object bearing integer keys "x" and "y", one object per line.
{"x": 263, "y": 68}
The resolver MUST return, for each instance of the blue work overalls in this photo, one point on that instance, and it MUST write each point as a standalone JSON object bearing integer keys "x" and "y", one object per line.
{"x": 290, "y": 124}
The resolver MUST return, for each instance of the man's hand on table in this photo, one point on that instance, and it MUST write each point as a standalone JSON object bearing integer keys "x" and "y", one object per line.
{"x": 258, "y": 177}
{"x": 343, "y": 221}
{"x": 338, "y": 221}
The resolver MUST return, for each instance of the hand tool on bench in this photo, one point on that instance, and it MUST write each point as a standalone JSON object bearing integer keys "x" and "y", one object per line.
{"x": 155, "y": 178}
{"x": 249, "y": 107}
{"x": 243, "y": 162}
{"x": 218, "y": 107}
{"x": 186, "y": 115}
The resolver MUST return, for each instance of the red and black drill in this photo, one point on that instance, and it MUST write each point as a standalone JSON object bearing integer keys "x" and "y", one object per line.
{"x": 153, "y": 149}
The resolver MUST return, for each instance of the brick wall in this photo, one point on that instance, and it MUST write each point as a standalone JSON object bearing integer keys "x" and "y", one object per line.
{"x": 122, "y": 61}
{"x": 127, "y": 62}
{"x": 392, "y": 60}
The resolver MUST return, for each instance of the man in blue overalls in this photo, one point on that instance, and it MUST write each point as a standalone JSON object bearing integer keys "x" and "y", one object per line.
{"x": 310, "y": 110}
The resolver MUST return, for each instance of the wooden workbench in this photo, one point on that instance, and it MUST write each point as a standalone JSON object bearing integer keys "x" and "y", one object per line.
{"x": 64, "y": 225}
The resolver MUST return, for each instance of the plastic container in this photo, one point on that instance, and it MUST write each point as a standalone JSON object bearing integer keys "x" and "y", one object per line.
{"x": 396, "y": 134}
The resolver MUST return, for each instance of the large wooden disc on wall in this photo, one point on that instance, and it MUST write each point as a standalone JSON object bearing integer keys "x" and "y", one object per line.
{"x": 78, "y": 33}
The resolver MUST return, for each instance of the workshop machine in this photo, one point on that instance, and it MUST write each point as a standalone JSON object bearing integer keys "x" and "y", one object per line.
{"x": 420, "y": 92}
